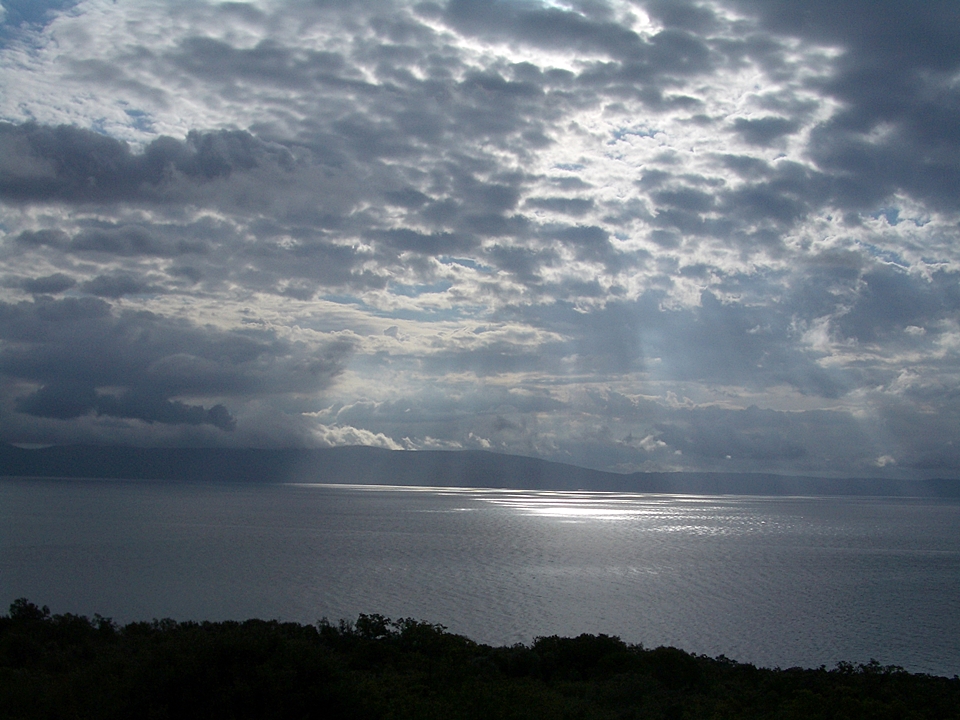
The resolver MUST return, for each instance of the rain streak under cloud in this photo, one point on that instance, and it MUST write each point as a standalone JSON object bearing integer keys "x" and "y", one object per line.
{"x": 625, "y": 235}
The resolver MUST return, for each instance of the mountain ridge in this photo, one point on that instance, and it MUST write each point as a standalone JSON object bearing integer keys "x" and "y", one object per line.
{"x": 438, "y": 468}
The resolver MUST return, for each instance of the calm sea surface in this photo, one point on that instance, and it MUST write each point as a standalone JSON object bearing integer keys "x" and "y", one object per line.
{"x": 773, "y": 581}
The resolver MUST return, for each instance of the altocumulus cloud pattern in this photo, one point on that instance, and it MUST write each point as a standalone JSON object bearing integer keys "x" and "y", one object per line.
{"x": 631, "y": 235}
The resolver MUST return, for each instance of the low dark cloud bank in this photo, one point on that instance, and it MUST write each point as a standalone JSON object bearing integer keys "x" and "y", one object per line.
{"x": 632, "y": 235}
{"x": 69, "y": 164}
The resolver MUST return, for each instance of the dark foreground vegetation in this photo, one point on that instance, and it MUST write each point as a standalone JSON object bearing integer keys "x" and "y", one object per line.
{"x": 69, "y": 666}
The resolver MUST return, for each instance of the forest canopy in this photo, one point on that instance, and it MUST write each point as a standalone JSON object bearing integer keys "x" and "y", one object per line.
{"x": 65, "y": 665}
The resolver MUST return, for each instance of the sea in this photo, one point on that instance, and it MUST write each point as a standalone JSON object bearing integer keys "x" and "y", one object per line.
{"x": 777, "y": 582}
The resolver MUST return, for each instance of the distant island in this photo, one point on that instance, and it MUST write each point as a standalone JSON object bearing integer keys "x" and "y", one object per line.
{"x": 436, "y": 468}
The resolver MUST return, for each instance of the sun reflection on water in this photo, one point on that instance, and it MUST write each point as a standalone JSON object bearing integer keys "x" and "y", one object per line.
{"x": 579, "y": 506}
{"x": 663, "y": 513}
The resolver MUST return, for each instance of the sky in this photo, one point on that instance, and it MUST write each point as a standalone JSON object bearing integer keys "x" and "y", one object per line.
{"x": 633, "y": 235}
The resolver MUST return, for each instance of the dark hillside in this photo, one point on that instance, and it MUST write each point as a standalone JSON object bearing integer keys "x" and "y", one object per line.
{"x": 467, "y": 468}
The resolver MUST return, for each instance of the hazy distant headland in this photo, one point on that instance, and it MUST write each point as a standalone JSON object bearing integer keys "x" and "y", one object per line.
{"x": 468, "y": 468}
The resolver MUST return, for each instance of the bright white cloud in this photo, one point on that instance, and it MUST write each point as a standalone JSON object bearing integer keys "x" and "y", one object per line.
{"x": 333, "y": 436}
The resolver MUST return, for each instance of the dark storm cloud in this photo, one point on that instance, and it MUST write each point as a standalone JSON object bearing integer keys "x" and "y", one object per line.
{"x": 764, "y": 131}
{"x": 43, "y": 238}
{"x": 868, "y": 171}
{"x": 787, "y": 194}
{"x": 405, "y": 240}
{"x": 525, "y": 263}
{"x": 589, "y": 243}
{"x": 64, "y": 163}
{"x": 899, "y": 34}
{"x": 637, "y": 67}
{"x": 542, "y": 26}
{"x": 68, "y": 401}
{"x": 209, "y": 250}
{"x": 407, "y": 198}
{"x": 315, "y": 262}
{"x": 87, "y": 358}
{"x": 684, "y": 198}
{"x": 117, "y": 285}
{"x": 896, "y": 74}
{"x": 683, "y": 15}
{"x": 131, "y": 240}
{"x": 49, "y": 284}
{"x": 890, "y": 300}
{"x": 576, "y": 207}
{"x": 268, "y": 62}
{"x": 898, "y": 129}
{"x": 774, "y": 197}
{"x": 873, "y": 302}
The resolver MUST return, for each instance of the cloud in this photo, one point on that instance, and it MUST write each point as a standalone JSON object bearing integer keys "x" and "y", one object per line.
{"x": 115, "y": 286}
{"x": 634, "y": 235}
{"x": 66, "y": 163}
{"x": 543, "y": 26}
{"x": 49, "y": 284}
{"x": 898, "y": 126}
{"x": 764, "y": 131}
{"x": 67, "y": 401}
{"x": 333, "y": 436}
{"x": 86, "y": 358}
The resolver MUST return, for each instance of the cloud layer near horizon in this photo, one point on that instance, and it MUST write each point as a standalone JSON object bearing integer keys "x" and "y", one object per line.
{"x": 628, "y": 235}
